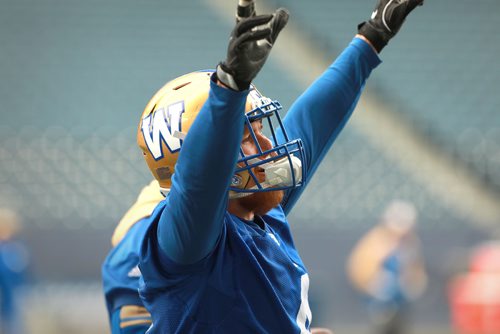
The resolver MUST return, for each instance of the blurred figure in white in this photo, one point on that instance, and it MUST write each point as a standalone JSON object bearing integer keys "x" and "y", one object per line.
{"x": 386, "y": 266}
{"x": 14, "y": 260}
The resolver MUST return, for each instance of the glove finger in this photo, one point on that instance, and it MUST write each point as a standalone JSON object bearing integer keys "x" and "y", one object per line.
{"x": 253, "y": 35}
{"x": 279, "y": 21}
{"x": 252, "y": 22}
{"x": 414, "y": 3}
{"x": 246, "y": 9}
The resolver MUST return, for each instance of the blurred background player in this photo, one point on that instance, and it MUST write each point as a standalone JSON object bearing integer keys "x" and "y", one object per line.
{"x": 387, "y": 267}
{"x": 120, "y": 272}
{"x": 14, "y": 263}
{"x": 219, "y": 255}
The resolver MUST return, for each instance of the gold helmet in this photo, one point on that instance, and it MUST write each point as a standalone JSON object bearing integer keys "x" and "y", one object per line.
{"x": 169, "y": 115}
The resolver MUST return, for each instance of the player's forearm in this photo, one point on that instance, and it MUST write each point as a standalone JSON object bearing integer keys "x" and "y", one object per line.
{"x": 212, "y": 145}
{"x": 322, "y": 111}
{"x": 192, "y": 220}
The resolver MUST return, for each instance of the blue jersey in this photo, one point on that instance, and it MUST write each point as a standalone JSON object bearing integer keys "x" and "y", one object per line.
{"x": 208, "y": 271}
{"x": 121, "y": 283}
{"x": 120, "y": 271}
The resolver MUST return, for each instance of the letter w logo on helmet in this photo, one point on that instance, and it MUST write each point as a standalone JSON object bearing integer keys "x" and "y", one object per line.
{"x": 163, "y": 125}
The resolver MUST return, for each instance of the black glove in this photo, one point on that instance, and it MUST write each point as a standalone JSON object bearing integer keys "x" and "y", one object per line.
{"x": 246, "y": 8}
{"x": 386, "y": 20}
{"x": 250, "y": 43}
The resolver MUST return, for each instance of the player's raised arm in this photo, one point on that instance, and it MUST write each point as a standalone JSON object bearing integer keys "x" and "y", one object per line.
{"x": 195, "y": 205}
{"x": 319, "y": 115}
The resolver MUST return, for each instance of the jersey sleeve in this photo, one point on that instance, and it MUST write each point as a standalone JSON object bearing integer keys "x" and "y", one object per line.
{"x": 192, "y": 220}
{"x": 320, "y": 113}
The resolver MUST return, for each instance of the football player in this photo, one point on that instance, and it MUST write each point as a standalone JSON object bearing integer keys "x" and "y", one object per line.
{"x": 120, "y": 271}
{"x": 218, "y": 256}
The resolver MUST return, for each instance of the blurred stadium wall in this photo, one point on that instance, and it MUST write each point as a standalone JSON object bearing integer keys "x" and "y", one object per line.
{"x": 75, "y": 76}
